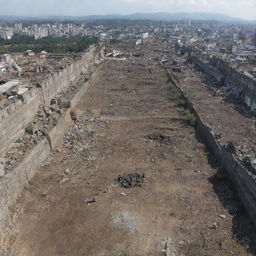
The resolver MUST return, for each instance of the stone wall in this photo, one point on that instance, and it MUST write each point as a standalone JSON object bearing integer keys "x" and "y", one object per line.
{"x": 243, "y": 85}
{"x": 205, "y": 67}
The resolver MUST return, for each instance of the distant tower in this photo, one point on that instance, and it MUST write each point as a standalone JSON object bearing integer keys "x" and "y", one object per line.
{"x": 189, "y": 22}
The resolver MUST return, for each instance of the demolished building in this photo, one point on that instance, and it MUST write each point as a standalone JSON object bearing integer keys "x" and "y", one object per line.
{"x": 8, "y": 64}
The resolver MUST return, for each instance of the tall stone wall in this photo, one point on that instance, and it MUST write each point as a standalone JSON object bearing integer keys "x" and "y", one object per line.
{"x": 243, "y": 85}
{"x": 205, "y": 67}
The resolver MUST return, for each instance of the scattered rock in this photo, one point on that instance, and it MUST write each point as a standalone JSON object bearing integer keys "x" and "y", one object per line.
{"x": 181, "y": 242}
{"x": 223, "y": 216}
{"x": 67, "y": 171}
{"x": 64, "y": 180}
{"x": 43, "y": 194}
{"x": 122, "y": 194}
{"x": 213, "y": 226}
{"x": 91, "y": 201}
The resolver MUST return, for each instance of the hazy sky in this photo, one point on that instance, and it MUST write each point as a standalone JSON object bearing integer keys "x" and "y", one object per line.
{"x": 238, "y": 8}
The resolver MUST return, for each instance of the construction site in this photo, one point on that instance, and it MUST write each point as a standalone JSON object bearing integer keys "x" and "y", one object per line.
{"x": 124, "y": 150}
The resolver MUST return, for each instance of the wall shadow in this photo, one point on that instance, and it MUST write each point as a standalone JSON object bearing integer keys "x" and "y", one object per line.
{"x": 244, "y": 230}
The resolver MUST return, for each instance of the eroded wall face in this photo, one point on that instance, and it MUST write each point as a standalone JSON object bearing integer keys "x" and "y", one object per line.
{"x": 244, "y": 87}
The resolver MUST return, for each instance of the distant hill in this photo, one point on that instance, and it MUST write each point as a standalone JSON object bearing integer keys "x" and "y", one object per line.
{"x": 164, "y": 16}
{"x": 11, "y": 18}
{"x": 182, "y": 15}
{"x": 134, "y": 16}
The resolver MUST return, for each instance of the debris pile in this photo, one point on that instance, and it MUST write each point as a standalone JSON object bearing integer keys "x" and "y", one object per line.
{"x": 167, "y": 140}
{"x": 130, "y": 180}
{"x": 115, "y": 53}
{"x": 8, "y": 64}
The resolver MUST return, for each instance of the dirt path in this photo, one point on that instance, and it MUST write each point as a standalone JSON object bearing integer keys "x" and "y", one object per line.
{"x": 128, "y": 123}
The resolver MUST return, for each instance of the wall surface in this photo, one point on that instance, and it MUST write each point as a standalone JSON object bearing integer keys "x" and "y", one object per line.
{"x": 205, "y": 67}
{"x": 243, "y": 85}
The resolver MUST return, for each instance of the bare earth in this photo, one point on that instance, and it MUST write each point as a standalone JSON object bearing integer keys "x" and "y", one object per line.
{"x": 128, "y": 122}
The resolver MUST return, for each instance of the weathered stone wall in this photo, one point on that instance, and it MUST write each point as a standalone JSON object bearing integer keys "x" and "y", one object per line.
{"x": 245, "y": 86}
{"x": 243, "y": 180}
{"x": 12, "y": 184}
{"x": 205, "y": 67}
{"x": 16, "y": 116}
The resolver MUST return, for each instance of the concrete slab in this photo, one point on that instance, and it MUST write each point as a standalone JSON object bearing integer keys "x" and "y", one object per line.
{"x": 8, "y": 85}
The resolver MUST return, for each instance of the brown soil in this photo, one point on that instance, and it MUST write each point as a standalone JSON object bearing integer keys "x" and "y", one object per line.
{"x": 128, "y": 122}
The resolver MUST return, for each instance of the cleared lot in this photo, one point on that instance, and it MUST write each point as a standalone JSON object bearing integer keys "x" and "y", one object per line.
{"x": 128, "y": 122}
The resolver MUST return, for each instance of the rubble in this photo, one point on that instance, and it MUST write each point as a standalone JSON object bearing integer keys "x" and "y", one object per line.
{"x": 44, "y": 121}
{"x": 8, "y": 64}
{"x": 167, "y": 140}
{"x": 20, "y": 74}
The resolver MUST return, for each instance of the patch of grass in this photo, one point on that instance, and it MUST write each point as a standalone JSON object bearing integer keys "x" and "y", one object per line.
{"x": 176, "y": 95}
{"x": 174, "y": 90}
{"x": 181, "y": 103}
{"x": 189, "y": 117}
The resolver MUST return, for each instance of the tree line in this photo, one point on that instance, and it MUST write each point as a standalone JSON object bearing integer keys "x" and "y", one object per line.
{"x": 65, "y": 44}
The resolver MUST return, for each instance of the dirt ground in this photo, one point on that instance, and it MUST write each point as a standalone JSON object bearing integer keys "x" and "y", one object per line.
{"x": 129, "y": 122}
